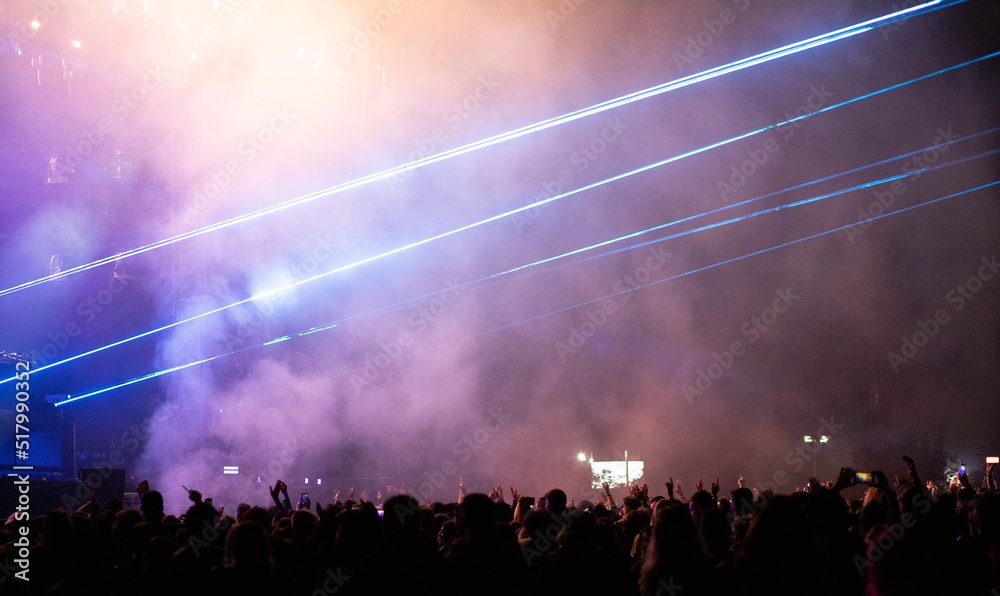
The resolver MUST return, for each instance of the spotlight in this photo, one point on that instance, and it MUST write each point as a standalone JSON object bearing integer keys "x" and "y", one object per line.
{"x": 231, "y": 470}
{"x": 76, "y": 43}
{"x": 35, "y": 24}
{"x": 824, "y": 439}
{"x": 581, "y": 456}
{"x": 194, "y": 56}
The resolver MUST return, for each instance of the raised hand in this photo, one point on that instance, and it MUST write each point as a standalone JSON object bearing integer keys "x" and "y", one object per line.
{"x": 670, "y": 487}
{"x": 515, "y": 496}
{"x": 814, "y": 484}
{"x": 336, "y": 495}
{"x": 742, "y": 482}
{"x": 378, "y": 497}
{"x": 364, "y": 496}
{"x": 700, "y": 485}
{"x": 844, "y": 479}
{"x": 142, "y": 488}
{"x": 715, "y": 489}
{"x": 350, "y": 496}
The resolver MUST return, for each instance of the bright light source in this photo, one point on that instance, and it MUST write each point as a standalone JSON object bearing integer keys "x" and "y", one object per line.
{"x": 76, "y": 43}
{"x": 824, "y": 439}
{"x": 232, "y": 470}
{"x": 807, "y": 438}
{"x": 581, "y": 456}
{"x": 307, "y": 481}
{"x": 35, "y": 24}
{"x": 616, "y": 473}
{"x": 318, "y": 62}
{"x": 194, "y": 56}
{"x": 319, "y": 481}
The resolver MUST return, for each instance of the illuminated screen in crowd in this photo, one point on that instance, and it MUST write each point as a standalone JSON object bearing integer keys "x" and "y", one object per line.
{"x": 613, "y": 472}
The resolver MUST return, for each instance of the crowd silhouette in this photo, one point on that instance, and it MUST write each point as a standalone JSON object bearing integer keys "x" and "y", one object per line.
{"x": 905, "y": 538}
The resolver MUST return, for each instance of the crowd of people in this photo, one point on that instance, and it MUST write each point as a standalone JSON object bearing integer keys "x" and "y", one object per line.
{"x": 907, "y": 538}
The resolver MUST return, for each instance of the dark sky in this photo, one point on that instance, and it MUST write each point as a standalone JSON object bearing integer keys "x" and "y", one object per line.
{"x": 185, "y": 116}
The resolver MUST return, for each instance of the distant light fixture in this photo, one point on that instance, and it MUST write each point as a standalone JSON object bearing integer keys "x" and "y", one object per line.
{"x": 307, "y": 481}
{"x": 319, "y": 481}
{"x": 581, "y": 456}
{"x": 231, "y": 470}
{"x": 824, "y": 439}
{"x": 59, "y": 169}
{"x": 35, "y": 24}
{"x": 194, "y": 56}
{"x": 55, "y": 264}
{"x": 76, "y": 43}
{"x": 318, "y": 62}
{"x": 807, "y": 438}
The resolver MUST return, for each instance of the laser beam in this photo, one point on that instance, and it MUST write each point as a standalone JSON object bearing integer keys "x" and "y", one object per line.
{"x": 505, "y": 215}
{"x": 692, "y": 79}
{"x": 72, "y": 398}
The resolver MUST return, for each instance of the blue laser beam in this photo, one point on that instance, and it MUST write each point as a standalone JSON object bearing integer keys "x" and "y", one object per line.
{"x": 506, "y": 214}
{"x": 407, "y": 303}
{"x": 684, "y": 233}
{"x": 412, "y": 301}
{"x": 71, "y": 398}
{"x": 692, "y": 79}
